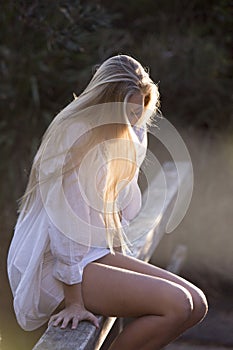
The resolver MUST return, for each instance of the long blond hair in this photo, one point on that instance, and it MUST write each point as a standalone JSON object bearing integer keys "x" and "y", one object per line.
{"x": 114, "y": 81}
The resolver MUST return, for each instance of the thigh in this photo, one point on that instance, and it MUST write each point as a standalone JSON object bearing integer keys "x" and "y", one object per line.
{"x": 116, "y": 291}
{"x": 133, "y": 264}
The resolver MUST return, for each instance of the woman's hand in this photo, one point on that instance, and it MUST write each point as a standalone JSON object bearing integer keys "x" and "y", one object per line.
{"x": 74, "y": 313}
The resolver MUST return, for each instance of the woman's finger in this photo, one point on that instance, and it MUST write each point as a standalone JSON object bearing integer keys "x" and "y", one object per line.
{"x": 65, "y": 322}
{"x": 51, "y": 320}
{"x": 75, "y": 322}
{"x": 93, "y": 319}
{"x": 57, "y": 321}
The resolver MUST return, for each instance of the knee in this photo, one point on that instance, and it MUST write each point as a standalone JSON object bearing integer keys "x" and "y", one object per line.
{"x": 200, "y": 306}
{"x": 182, "y": 307}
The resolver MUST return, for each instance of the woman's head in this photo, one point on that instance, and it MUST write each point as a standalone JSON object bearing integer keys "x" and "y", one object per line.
{"x": 123, "y": 79}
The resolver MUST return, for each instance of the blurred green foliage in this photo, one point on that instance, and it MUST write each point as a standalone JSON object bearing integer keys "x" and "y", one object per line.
{"x": 48, "y": 50}
{"x": 188, "y": 47}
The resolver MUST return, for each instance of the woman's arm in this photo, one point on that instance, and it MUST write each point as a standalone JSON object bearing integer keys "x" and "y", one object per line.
{"x": 73, "y": 294}
{"x": 74, "y": 310}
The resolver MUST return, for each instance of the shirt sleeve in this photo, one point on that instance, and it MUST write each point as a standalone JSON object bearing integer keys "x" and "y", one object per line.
{"x": 68, "y": 253}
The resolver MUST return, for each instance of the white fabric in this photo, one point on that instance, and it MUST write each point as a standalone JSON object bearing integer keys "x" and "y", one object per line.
{"x": 41, "y": 257}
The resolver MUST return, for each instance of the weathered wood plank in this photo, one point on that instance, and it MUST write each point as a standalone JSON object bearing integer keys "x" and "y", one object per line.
{"x": 86, "y": 336}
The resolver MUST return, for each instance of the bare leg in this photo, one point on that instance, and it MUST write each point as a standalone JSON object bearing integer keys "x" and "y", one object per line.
{"x": 161, "y": 307}
{"x": 200, "y": 305}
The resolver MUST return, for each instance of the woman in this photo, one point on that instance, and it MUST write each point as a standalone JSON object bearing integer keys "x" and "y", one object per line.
{"x": 70, "y": 246}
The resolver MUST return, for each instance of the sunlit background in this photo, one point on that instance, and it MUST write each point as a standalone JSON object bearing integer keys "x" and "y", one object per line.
{"x": 48, "y": 50}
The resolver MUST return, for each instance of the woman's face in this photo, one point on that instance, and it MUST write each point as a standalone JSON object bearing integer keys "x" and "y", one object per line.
{"x": 135, "y": 107}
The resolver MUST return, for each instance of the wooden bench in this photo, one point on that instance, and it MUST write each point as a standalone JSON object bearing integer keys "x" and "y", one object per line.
{"x": 86, "y": 336}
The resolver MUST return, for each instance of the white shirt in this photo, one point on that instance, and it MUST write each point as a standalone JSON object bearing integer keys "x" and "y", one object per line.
{"x": 41, "y": 257}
